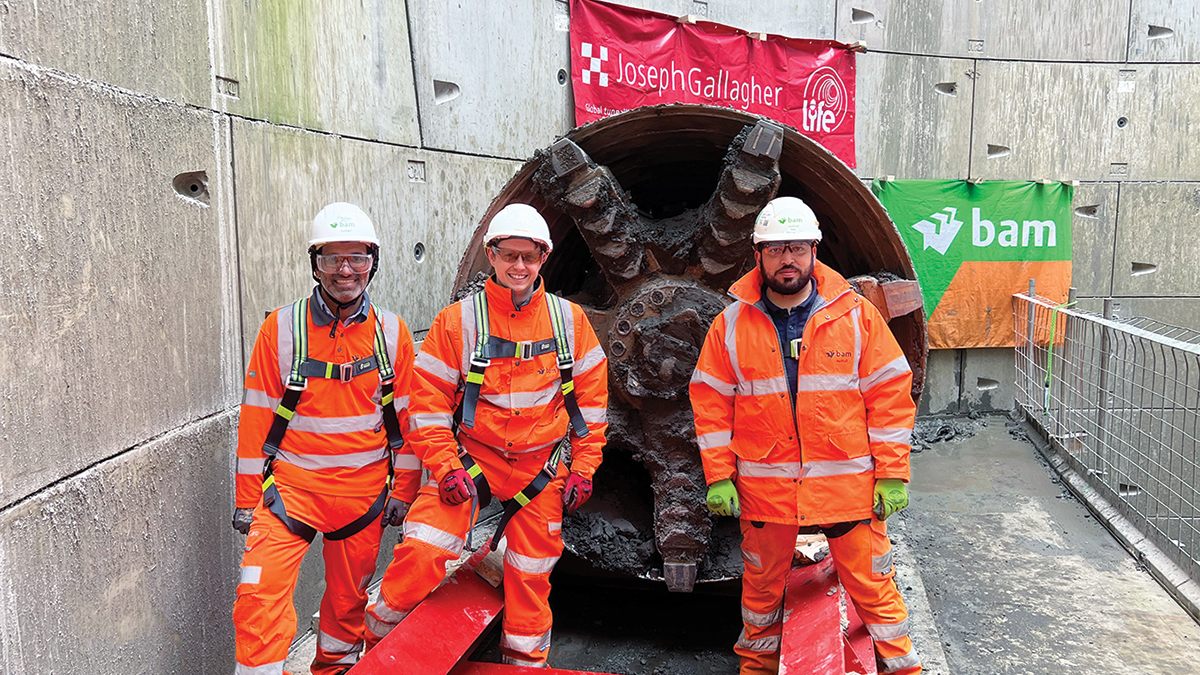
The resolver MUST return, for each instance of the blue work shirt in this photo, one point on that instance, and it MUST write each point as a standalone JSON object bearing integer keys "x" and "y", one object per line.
{"x": 789, "y": 325}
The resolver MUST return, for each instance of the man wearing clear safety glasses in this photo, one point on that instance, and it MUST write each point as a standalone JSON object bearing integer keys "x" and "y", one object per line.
{"x": 511, "y": 402}
{"x": 320, "y": 449}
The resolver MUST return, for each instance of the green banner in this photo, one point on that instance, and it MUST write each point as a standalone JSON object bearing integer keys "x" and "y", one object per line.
{"x": 974, "y": 245}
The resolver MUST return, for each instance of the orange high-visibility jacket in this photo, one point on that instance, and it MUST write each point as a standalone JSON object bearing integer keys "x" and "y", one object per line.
{"x": 521, "y": 412}
{"x": 336, "y": 443}
{"x": 853, "y": 420}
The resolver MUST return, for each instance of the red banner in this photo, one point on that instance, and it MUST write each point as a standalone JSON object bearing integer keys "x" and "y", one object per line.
{"x": 623, "y": 58}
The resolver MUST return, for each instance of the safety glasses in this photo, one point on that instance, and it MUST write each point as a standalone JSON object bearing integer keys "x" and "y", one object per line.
{"x": 777, "y": 248}
{"x": 510, "y": 256}
{"x": 358, "y": 262}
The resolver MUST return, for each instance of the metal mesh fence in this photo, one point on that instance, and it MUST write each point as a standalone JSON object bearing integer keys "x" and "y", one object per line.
{"x": 1121, "y": 398}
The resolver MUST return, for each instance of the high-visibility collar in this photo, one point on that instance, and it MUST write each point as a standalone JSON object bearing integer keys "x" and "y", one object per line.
{"x": 500, "y": 298}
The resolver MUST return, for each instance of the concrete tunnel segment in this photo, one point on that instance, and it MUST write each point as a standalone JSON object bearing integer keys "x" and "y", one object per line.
{"x": 654, "y": 178}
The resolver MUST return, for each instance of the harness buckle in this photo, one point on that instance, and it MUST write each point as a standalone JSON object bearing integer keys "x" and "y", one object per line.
{"x": 346, "y": 372}
{"x": 794, "y": 348}
{"x": 525, "y": 350}
{"x": 480, "y": 361}
{"x": 301, "y": 386}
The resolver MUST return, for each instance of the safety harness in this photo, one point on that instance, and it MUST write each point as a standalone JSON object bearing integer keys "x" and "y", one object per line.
{"x": 483, "y": 492}
{"x": 487, "y": 348}
{"x": 304, "y": 368}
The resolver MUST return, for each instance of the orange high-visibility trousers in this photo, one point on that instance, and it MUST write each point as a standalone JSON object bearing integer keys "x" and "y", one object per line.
{"x": 263, "y": 615}
{"x": 435, "y": 533}
{"x": 863, "y": 559}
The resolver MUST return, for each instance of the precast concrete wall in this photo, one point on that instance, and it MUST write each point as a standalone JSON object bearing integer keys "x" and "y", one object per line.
{"x": 162, "y": 160}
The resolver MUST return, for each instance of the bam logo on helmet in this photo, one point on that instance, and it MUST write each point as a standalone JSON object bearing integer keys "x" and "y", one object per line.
{"x": 940, "y": 235}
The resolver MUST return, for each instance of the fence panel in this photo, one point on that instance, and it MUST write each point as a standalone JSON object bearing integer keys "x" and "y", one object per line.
{"x": 1121, "y": 399}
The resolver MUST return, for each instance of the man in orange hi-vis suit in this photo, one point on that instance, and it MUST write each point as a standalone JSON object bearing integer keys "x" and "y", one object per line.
{"x": 319, "y": 440}
{"x": 803, "y": 417}
{"x": 514, "y": 369}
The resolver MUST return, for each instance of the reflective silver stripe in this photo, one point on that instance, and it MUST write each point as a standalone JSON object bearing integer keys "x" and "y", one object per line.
{"x": 840, "y": 468}
{"x": 590, "y": 360}
{"x": 430, "y": 420}
{"x": 391, "y": 334}
{"x": 332, "y": 644}
{"x": 354, "y": 460}
{"x": 882, "y": 564}
{"x": 909, "y": 660}
{"x": 259, "y": 399}
{"x": 381, "y": 619}
{"x": 286, "y": 340}
{"x": 511, "y": 661}
{"x": 897, "y": 367}
{"x": 731, "y": 314}
{"x": 268, "y": 669}
{"x": 568, "y": 317}
{"x": 855, "y": 316}
{"x": 719, "y": 386}
{"x": 386, "y": 614}
{"x": 352, "y": 657}
{"x": 766, "y": 644}
{"x": 900, "y": 435}
{"x": 527, "y": 564}
{"x": 748, "y": 469}
{"x": 773, "y": 385}
{"x": 376, "y": 627}
{"x": 401, "y": 402}
{"x": 251, "y": 465}
{"x": 524, "y": 399}
{"x": 595, "y": 415}
{"x": 751, "y": 558}
{"x": 406, "y": 462}
{"x": 715, "y": 439}
{"x": 827, "y": 383}
{"x": 526, "y": 644}
{"x": 762, "y": 620}
{"x": 554, "y": 526}
{"x": 432, "y": 365}
{"x": 250, "y": 575}
{"x": 888, "y": 631}
{"x": 469, "y": 332}
{"x": 335, "y": 425}
{"x": 434, "y": 537}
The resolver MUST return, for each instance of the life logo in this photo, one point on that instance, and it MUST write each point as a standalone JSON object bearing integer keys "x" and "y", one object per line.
{"x": 1009, "y": 234}
{"x": 826, "y": 101}
{"x": 594, "y": 63}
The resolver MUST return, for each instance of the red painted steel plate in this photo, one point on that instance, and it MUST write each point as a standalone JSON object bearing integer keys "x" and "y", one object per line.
{"x": 812, "y": 623}
{"x": 439, "y": 633}
{"x": 471, "y": 668}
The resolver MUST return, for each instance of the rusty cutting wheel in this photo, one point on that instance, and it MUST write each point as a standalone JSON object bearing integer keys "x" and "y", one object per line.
{"x": 651, "y": 212}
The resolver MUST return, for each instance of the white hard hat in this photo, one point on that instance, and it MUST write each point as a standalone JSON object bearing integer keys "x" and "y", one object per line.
{"x": 519, "y": 220}
{"x": 342, "y": 222}
{"x": 786, "y": 219}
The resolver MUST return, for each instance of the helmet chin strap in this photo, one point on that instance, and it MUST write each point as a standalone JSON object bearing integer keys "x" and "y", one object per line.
{"x": 340, "y": 306}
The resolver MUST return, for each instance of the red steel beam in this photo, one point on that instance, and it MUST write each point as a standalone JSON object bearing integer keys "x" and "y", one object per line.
{"x": 472, "y": 668}
{"x": 439, "y": 633}
{"x": 813, "y": 641}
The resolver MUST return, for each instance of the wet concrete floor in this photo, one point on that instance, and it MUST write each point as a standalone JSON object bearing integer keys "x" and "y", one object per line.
{"x": 1002, "y": 569}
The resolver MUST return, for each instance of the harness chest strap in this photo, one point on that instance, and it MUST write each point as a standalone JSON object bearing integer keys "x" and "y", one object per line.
{"x": 304, "y": 368}
{"x": 488, "y": 347}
